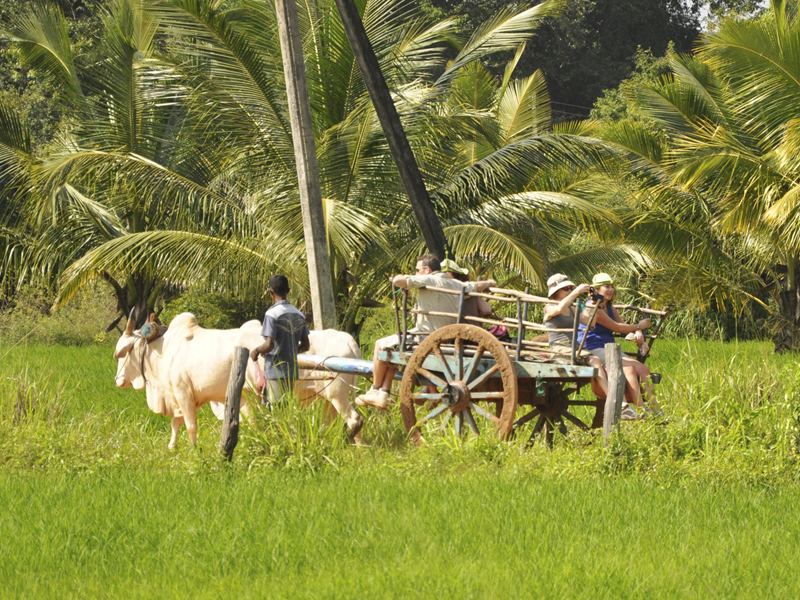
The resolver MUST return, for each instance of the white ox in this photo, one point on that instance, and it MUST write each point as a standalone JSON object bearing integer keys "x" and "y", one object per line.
{"x": 189, "y": 366}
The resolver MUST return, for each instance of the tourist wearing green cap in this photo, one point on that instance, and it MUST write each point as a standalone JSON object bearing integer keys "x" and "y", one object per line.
{"x": 473, "y": 306}
{"x": 608, "y": 322}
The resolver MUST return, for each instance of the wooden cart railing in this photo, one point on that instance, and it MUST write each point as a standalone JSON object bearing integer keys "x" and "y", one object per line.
{"x": 522, "y": 348}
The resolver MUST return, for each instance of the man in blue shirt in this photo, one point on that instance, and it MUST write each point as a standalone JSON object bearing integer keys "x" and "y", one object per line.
{"x": 286, "y": 335}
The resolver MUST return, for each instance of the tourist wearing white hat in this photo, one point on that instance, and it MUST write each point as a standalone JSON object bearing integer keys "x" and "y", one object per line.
{"x": 562, "y": 316}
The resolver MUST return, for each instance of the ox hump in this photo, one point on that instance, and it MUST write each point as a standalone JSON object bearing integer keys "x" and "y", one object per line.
{"x": 185, "y": 325}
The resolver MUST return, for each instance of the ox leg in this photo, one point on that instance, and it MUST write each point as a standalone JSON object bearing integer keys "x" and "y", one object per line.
{"x": 338, "y": 395}
{"x": 189, "y": 411}
{"x": 244, "y": 408}
{"x": 177, "y": 423}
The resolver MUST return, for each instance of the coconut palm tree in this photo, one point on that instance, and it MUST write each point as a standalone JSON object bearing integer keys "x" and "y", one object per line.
{"x": 181, "y": 170}
{"x": 713, "y": 169}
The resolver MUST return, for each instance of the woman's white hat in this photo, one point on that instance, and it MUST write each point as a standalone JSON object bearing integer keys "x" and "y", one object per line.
{"x": 557, "y": 282}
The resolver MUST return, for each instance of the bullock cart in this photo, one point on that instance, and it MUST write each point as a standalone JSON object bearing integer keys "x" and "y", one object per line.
{"x": 462, "y": 376}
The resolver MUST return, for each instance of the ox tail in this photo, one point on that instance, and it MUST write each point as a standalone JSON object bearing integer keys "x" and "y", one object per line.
{"x": 351, "y": 343}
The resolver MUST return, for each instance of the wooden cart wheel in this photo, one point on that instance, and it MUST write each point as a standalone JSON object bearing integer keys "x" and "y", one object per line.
{"x": 556, "y": 412}
{"x": 450, "y": 372}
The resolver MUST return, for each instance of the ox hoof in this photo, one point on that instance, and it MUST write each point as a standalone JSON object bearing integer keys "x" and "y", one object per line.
{"x": 354, "y": 429}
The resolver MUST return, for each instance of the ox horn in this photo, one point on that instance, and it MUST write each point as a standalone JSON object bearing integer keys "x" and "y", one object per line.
{"x": 130, "y": 324}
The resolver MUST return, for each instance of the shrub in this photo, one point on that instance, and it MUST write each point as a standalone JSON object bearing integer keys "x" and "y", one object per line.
{"x": 27, "y": 318}
{"x": 213, "y": 310}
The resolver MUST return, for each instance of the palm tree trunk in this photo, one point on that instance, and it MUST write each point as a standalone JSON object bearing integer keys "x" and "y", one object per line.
{"x": 786, "y": 333}
{"x": 404, "y": 158}
{"x": 316, "y": 237}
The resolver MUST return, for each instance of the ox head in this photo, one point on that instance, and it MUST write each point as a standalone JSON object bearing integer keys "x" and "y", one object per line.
{"x": 129, "y": 368}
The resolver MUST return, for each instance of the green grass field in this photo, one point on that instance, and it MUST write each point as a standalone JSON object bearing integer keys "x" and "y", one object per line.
{"x": 94, "y": 505}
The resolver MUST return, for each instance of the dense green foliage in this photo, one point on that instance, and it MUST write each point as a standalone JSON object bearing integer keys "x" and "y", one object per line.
{"x": 177, "y": 170}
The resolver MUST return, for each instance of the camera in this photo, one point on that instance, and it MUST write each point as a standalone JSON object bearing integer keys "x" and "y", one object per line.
{"x": 596, "y": 298}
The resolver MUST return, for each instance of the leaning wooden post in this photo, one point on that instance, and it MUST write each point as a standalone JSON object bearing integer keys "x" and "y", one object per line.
{"x": 233, "y": 399}
{"x": 403, "y": 156}
{"x": 616, "y": 389}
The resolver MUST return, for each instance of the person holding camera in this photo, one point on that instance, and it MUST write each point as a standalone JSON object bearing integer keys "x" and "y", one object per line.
{"x": 562, "y": 316}
{"x": 607, "y": 322}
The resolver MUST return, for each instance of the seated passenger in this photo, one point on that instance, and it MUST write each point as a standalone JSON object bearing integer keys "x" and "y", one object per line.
{"x": 607, "y": 323}
{"x": 473, "y": 307}
{"x": 429, "y": 275}
{"x": 562, "y": 316}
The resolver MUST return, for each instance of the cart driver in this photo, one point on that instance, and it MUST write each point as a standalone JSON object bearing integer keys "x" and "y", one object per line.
{"x": 428, "y": 275}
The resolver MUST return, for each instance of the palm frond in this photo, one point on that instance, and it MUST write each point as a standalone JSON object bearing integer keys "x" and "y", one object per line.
{"x": 506, "y": 30}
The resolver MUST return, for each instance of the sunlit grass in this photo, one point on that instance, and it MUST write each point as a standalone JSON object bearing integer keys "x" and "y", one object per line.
{"x": 95, "y": 505}
{"x": 144, "y": 534}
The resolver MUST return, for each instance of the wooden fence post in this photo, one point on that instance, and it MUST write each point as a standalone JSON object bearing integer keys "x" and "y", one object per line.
{"x": 233, "y": 398}
{"x": 616, "y": 389}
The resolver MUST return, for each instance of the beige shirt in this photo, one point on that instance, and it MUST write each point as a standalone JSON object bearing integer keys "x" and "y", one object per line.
{"x": 429, "y": 300}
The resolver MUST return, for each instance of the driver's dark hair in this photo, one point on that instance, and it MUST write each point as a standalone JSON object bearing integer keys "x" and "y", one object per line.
{"x": 279, "y": 284}
{"x": 430, "y": 260}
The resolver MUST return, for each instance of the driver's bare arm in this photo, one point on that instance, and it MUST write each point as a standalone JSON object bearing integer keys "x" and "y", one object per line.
{"x": 267, "y": 346}
{"x": 305, "y": 343}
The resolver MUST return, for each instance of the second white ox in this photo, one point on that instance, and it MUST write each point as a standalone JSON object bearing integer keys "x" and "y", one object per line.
{"x": 189, "y": 366}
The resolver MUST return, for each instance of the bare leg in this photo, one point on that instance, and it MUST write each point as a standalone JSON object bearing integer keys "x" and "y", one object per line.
{"x": 632, "y": 378}
{"x": 177, "y": 423}
{"x": 602, "y": 378}
{"x": 382, "y": 372}
{"x": 643, "y": 371}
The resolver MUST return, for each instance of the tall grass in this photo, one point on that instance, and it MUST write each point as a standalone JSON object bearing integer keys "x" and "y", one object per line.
{"x": 734, "y": 416}
{"x": 96, "y": 506}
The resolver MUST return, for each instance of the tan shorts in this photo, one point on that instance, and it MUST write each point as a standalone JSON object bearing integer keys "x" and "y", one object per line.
{"x": 392, "y": 342}
{"x": 600, "y": 353}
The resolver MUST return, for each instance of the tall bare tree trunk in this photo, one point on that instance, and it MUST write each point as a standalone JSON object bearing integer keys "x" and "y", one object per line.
{"x": 393, "y": 129}
{"x": 785, "y": 334}
{"x": 305, "y": 153}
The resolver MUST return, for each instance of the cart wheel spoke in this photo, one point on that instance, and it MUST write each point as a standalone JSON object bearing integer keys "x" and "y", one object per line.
{"x": 487, "y": 395}
{"x": 435, "y": 379}
{"x": 459, "y": 352}
{"x": 434, "y": 413}
{"x": 459, "y": 420}
{"x": 436, "y": 396}
{"x": 525, "y": 418}
{"x": 445, "y": 421}
{"x": 437, "y": 350}
{"x": 548, "y": 431}
{"x": 474, "y": 363}
{"x": 483, "y": 377}
{"x": 471, "y": 423}
{"x": 484, "y": 414}
{"x": 575, "y": 420}
{"x": 537, "y": 429}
